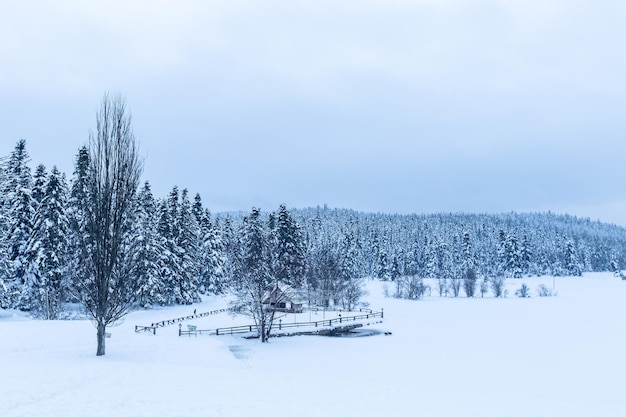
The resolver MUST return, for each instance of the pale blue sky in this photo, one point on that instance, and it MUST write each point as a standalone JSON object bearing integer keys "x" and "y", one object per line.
{"x": 393, "y": 106}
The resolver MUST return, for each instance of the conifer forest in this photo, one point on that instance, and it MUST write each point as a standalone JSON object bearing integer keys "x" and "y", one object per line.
{"x": 173, "y": 249}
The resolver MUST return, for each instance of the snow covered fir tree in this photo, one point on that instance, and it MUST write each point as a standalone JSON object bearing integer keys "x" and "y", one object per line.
{"x": 175, "y": 251}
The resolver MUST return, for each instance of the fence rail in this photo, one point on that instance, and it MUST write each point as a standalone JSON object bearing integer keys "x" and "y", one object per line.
{"x": 250, "y": 328}
{"x": 190, "y": 317}
{"x": 153, "y": 326}
{"x": 145, "y": 329}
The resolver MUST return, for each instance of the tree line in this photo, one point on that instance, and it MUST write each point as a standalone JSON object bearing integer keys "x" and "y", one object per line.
{"x": 181, "y": 251}
{"x": 447, "y": 244}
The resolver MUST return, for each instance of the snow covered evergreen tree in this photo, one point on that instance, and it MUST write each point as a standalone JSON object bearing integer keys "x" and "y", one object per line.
{"x": 197, "y": 209}
{"x": 571, "y": 262}
{"x": 20, "y": 211}
{"x": 431, "y": 270}
{"x": 148, "y": 257}
{"x": 526, "y": 255}
{"x": 350, "y": 284}
{"x": 615, "y": 266}
{"x": 187, "y": 241}
{"x": 212, "y": 257}
{"x": 254, "y": 281}
{"x": 414, "y": 260}
{"x": 168, "y": 261}
{"x": 40, "y": 178}
{"x": 382, "y": 266}
{"x": 47, "y": 249}
{"x": 231, "y": 245}
{"x": 323, "y": 271}
{"x": 331, "y": 277}
{"x": 511, "y": 255}
{"x": 468, "y": 261}
{"x": 290, "y": 249}
{"x": 5, "y": 269}
{"x": 445, "y": 271}
{"x": 78, "y": 240}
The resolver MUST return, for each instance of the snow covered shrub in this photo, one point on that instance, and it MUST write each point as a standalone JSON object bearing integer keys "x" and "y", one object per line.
{"x": 544, "y": 291}
{"x": 411, "y": 287}
{"x": 386, "y": 291}
{"x": 455, "y": 286}
{"x": 622, "y": 276}
{"x": 414, "y": 287}
{"x": 523, "y": 291}
{"x": 442, "y": 286}
{"x": 497, "y": 286}
{"x": 484, "y": 286}
{"x": 469, "y": 282}
{"x": 351, "y": 292}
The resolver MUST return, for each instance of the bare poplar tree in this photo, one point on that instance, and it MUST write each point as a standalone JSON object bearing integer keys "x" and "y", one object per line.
{"x": 107, "y": 291}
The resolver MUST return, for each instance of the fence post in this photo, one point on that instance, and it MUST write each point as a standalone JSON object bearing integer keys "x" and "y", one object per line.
{"x": 382, "y": 314}
{"x": 217, "y": 332}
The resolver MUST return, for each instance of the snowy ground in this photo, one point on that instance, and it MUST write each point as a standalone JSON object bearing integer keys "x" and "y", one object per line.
{"x": 558, "y": 356}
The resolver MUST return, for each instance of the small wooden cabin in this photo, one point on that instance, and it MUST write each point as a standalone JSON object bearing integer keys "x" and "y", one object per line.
{"x": 281, "y": 298}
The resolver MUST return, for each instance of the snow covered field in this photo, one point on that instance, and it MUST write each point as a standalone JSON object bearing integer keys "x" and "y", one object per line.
{"x": 554, "y": 356}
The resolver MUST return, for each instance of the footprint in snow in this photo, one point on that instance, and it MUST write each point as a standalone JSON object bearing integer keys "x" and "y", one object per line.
{"x": 239, "y": 352}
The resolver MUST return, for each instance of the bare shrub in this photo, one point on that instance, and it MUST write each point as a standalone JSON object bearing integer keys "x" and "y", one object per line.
{"x": 469, "y": 282}
{"x": 455, "y": 286}
{"x": 484, "y": 286}
{"x": 523, "y": 291}
{"x": 544, "y": 291}
{"x": 497, "y": 286}
{"x": 415, "y": 288}
{"x": 410, "y": 287}
{"x": 442, "y": 286}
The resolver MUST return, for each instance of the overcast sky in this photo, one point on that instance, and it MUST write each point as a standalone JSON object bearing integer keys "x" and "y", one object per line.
{"x": 393, "y": 106}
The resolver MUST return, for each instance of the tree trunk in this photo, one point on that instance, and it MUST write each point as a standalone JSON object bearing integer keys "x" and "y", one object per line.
{"x": 268, "y": 327}
{"x": 101, "y": 338}
{"x": 262, "y": 330}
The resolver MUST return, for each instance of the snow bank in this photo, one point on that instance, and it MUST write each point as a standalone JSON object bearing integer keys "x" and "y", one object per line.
{"x": 555, "y": 356}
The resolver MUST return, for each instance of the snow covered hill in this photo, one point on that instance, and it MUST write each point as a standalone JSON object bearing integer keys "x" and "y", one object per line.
{"x": 539, "y": 356}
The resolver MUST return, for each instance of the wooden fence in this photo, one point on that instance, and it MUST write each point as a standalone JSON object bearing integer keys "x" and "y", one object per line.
{"x": 152, "y": 328}
{"x": 192, "y": 330}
